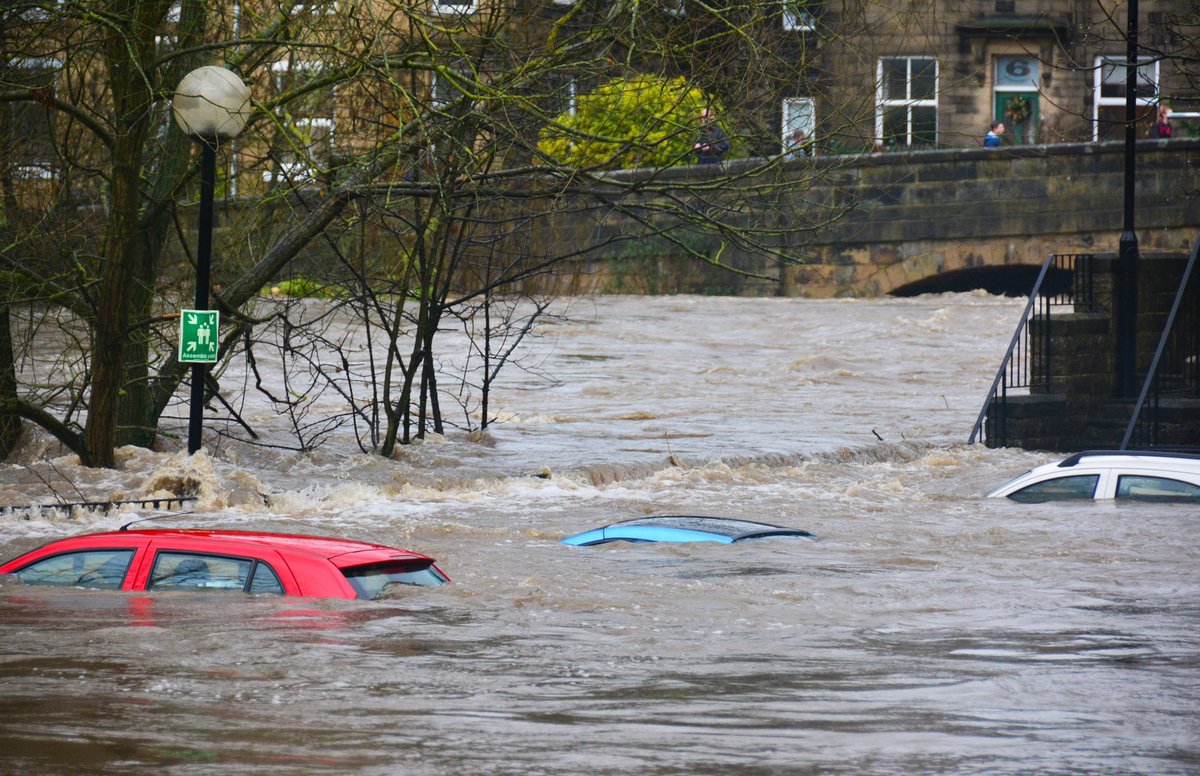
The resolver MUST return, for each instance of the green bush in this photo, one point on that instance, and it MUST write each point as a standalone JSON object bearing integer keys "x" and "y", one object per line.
{"x": 305, "y": 287}
{"x": 645, "y": 121}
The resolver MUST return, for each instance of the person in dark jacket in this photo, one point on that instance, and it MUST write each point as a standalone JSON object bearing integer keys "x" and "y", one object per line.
{"x": 712, "y": 144}
{"x": 1162, "y": 127}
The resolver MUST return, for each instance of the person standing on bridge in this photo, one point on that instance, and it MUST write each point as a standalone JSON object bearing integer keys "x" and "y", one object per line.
{"x": 712, "y": 144}
{"x": 992, "y": 140}
{"x": 1162, "y": 127}
{"x": 797, "y": 146}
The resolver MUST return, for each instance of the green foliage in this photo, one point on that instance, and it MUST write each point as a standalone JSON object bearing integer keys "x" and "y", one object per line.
{"x": 645, "y": 121}
{"x": 306, "y": 287}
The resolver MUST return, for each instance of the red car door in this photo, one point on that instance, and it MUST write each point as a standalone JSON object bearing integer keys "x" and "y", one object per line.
{"x": 213, "y": 552}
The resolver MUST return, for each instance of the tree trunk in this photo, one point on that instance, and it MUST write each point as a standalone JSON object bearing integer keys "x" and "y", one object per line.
{"x": 10, "y": 425}
{"x": 129, "y": 59}
{"x": 138, "y": 413}
{"x": 121, "y": 255}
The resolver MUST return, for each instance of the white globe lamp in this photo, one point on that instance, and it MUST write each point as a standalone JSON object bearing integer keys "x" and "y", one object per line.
{"x": 211, "y": 103}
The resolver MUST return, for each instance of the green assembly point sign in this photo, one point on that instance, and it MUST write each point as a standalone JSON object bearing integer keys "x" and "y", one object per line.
{"x": 198, "y": 336}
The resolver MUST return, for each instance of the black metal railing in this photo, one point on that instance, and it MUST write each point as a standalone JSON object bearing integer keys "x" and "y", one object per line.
{"x": 1065, "y": 280}
{"x": 1175, "y": 369}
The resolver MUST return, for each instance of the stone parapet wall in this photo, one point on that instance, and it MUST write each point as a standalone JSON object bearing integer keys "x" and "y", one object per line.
{"x": 916, "y": 215}
{"x": 1080, "y": 355}
{"x": 906, "y": 218}
{"x": 944, "y": 211}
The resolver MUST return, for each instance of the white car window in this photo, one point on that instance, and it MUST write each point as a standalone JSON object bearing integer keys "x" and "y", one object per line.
{"x": 1079, "y": 486}
{"x": 1145, "y": 488}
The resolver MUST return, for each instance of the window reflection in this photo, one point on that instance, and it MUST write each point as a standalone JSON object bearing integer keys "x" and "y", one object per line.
{"x": 1082, "y": 486}
{"x": 101, "y": 569}
{"x": 1143, "y": 488}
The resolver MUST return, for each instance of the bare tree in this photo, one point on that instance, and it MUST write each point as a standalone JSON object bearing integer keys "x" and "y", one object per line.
{"x": 400, "y": 145}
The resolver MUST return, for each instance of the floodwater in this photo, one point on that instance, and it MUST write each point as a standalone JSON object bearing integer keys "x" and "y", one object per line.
{"x": 928, "y": 631}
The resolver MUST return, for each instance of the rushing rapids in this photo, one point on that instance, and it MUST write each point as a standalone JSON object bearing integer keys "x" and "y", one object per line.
{"x": 928, "y": 630}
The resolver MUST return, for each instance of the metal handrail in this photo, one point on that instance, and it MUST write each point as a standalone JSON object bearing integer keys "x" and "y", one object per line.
{"x": 1016, "y": 361}
{"x": 1012, "y": 348}
{"x": 1152, "y": 374}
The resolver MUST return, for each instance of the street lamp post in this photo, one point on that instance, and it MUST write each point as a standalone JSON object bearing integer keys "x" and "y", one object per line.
{"x": 211, "y": 104}
{"x": 1127, "y": 250}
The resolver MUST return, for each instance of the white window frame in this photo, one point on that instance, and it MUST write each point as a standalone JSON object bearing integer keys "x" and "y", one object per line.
{"x": 439, "y": 88}
{"x": 41, "y": 14}
{"x": 299, "y": 170}
{"x": 1109, "y": 102}
{"x": 38, "y": 170}
{"x": 791, "y": 109}
{"x": 174, "y": 14}
{"x": 907, "y": 102}
{"x": 328, "y": 8}
{"x": 439, "y": 101}
{"x": 454, "y": 9}
{"x": 793, "y": 21}
{"x": 233, "y": 167}
{"x": 571, "y": 87}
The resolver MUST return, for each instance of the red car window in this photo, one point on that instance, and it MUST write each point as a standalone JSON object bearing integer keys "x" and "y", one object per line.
{"x": 265, "y": 580}
{"x": 103, "y": 569}
{"x": 205, "y": 572}
{"x": 190, "y": 571}
{"x": 370, "y": 581}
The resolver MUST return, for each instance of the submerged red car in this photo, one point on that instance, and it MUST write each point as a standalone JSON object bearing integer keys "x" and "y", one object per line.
{"x": 242, "y": 561}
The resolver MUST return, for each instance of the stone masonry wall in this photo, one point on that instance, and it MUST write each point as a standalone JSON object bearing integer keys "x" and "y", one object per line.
{"x": 907, "y": 217}
{"x": 914, "y": 215}
{"x": 1077, "y": 408}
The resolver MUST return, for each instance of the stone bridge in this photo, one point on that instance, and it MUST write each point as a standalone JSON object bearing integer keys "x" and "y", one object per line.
{"x": 919, "y": 222}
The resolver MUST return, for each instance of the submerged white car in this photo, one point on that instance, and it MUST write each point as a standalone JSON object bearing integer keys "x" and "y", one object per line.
{"x": 1134, "y": 475}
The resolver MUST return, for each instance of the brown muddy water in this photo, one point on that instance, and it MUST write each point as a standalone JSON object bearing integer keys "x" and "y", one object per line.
{"x": 928, "y": 631}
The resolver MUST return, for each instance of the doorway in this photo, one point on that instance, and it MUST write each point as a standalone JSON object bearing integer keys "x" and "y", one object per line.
{"x": 1019, "y": 112}
{"x": 1016, "y": 99}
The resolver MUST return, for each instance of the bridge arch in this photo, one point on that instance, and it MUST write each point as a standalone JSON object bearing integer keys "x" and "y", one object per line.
{"x": 909, "y": 223}
{"x": 956, "y": 220}
{"x": 1005, "y": 279}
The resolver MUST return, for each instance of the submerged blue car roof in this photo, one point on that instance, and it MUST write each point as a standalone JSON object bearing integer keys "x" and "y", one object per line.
{"x": 683, "y": 528}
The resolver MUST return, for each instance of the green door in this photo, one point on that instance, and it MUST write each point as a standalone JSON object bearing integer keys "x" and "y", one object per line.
{"x": 1019, "y": 111}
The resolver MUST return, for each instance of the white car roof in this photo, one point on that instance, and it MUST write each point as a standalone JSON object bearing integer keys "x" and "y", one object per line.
{"x": 1097, "y": 461}
{"x": 1157, "y": 458}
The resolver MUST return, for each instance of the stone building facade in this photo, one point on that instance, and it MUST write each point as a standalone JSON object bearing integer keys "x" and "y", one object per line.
{"x": 936, "y": 74}
{"x": 851, "y": 76}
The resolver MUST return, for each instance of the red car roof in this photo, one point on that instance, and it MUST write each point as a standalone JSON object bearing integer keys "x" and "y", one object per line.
{"x": 320, "y": 546}
{"x": 304, "y": 565}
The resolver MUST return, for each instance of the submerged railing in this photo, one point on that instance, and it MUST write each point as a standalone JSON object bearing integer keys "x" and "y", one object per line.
{"x": 1175, "y": 370}
{"x": 1065, "y": 280}
{"x": 164, "y": 502}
